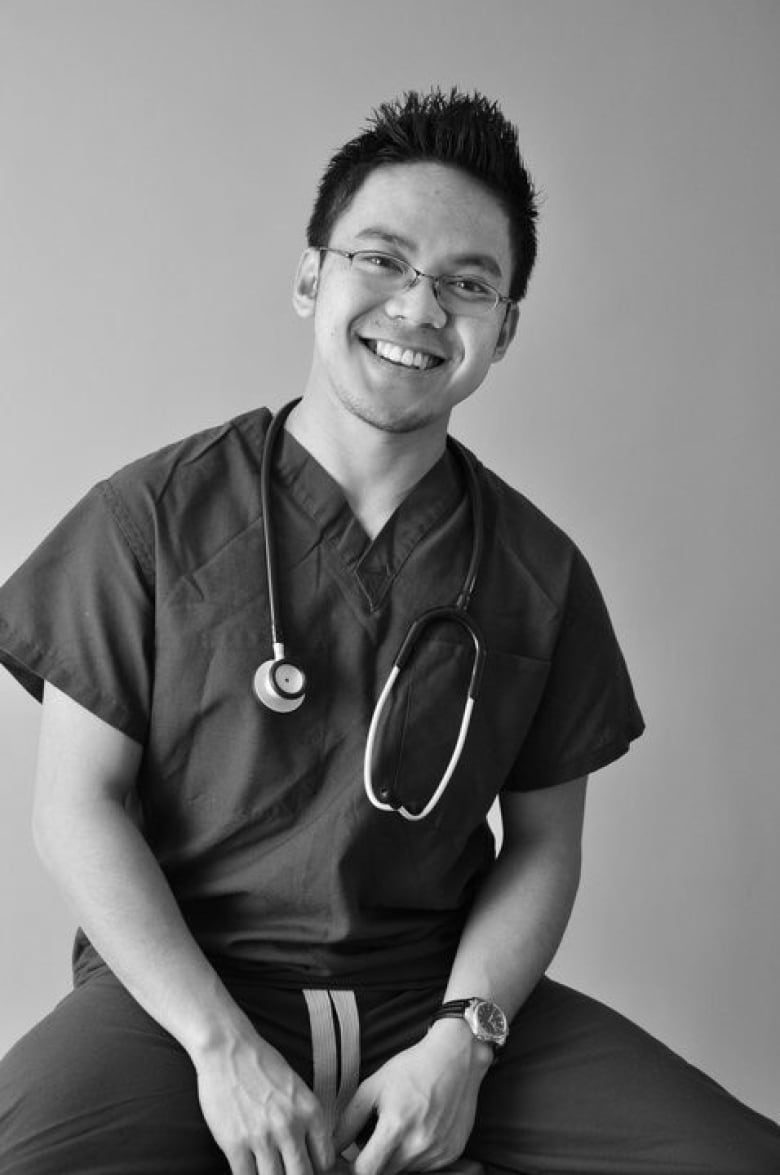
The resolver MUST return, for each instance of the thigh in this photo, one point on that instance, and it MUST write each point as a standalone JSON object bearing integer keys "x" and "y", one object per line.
{"x": 98, "y": 1088}
{"x": 580, "y": 1089}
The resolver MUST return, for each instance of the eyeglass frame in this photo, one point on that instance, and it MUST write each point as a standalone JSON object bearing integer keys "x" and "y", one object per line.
{"x": 418, "y": 273}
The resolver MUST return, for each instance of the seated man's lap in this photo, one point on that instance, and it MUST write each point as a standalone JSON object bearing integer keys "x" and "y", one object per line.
{"x": 99, "y": 1088}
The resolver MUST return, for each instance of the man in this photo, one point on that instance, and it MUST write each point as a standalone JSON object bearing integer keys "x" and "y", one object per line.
{"x": 292, "y": 946}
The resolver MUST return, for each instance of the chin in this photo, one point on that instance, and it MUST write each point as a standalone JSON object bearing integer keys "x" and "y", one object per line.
{"x": 393, "y": 420}
{"x": 386, "y": 416}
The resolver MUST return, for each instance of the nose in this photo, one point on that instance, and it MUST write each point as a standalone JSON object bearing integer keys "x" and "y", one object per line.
{"x": 417, "y": 304}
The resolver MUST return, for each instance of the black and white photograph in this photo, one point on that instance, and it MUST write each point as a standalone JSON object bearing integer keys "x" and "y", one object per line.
{"x": 389, "y": 568}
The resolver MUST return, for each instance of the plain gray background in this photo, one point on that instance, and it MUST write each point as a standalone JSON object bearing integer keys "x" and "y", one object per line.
{"x": 157, "y": 163}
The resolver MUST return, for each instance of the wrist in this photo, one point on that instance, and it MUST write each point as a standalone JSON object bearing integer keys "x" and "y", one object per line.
{"x": 484, "y": 1018}
{"x": 456, "y": 1037}
{"x": 219, "y": 1034}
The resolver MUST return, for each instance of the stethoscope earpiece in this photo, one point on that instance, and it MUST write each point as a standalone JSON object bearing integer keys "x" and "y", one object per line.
{"x": 280, "y": 685}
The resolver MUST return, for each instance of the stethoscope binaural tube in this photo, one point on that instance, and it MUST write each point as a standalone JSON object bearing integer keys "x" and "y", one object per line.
{"x": 280, "y": 684}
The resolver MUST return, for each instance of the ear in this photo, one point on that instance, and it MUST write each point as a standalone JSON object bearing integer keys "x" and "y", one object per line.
{"x": 305, "y": 287}
{"x": 507, "y": 332}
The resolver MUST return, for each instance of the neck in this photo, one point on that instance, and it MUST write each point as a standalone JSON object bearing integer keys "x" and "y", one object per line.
{"x": 375, "y": 469}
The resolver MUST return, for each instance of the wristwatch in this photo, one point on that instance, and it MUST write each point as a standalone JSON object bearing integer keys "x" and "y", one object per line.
{"x": 485, "y": 1019}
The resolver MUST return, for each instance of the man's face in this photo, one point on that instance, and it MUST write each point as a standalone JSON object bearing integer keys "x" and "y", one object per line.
{"x": 443, "y": 222}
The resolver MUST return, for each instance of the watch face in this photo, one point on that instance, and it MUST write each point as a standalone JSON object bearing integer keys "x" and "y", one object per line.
{"x": 490, "y": 1021}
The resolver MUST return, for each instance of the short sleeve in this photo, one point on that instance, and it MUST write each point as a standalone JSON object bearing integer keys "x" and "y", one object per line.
{"x": 588, "y": 714}
{"x": 79, "y": 614}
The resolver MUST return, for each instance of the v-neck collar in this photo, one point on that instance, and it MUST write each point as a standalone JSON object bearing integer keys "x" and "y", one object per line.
{"x": 374, "y": 563}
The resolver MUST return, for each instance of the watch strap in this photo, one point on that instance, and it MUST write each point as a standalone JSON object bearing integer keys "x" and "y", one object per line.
{"x": 450, "y": 1008}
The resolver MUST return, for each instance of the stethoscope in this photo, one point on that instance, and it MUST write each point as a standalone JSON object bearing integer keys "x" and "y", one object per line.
{"x": 280, "y": 684}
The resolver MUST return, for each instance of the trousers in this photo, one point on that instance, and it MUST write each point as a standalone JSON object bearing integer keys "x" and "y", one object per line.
{"x": 99, "y": 1088}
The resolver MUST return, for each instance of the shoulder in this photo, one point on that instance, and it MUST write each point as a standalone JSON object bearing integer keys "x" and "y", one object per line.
{"x": 528, "y": 543}
{"x": 204, "y": 485}
{"x": 534, "y": 580}
{"x": 232, "y": 447}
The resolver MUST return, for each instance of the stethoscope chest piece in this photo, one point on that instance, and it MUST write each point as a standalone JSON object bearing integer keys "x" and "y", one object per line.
{"x": 280, "y": 685}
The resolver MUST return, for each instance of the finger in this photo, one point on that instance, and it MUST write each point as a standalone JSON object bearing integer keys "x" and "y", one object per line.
{"x": 322, "y": 1150}
{"x": 382, "y": 1153}
{"x": 323, "y": 1155}
{"x": 242, "y": 1164}
{"x": 295, "y": 1161}
{"x": 249, "y": 1163}
{"x": 355, "y": 1116}
{"x": 267, "y": 1161}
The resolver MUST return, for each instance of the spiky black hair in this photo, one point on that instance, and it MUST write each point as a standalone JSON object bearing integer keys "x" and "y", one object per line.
{"x": 464, "y": 130}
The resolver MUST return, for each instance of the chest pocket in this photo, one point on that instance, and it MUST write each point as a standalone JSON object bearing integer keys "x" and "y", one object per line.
{"x": 420, "y": 726}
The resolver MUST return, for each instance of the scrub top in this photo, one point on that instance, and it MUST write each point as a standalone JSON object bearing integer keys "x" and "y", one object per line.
{"x": 148, "y": 605}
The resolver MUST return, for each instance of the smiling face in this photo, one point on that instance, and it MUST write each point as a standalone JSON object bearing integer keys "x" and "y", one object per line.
{"x": 400, "y": 362}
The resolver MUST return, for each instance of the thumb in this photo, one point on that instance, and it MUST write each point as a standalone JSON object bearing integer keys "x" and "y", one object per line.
{"x": 355, "y": 1116}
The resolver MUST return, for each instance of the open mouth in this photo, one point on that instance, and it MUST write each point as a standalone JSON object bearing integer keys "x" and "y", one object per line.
{"x": 402, "y": 356}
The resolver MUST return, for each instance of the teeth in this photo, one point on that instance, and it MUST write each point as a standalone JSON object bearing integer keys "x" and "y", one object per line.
{"x": 405, "y": 357}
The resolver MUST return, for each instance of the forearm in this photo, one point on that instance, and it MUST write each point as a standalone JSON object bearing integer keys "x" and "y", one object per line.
{"x": 516, "y": 923}
{"x": 125, "y": 905}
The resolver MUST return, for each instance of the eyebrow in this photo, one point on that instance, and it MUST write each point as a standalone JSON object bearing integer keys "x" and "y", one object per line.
{"x": 463, "y": 261}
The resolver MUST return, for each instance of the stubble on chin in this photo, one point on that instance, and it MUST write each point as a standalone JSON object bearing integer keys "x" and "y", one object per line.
{"x": 383, "y": 416}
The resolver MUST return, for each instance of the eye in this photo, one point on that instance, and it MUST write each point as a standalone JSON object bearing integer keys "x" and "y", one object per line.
{"x": 379, "y": 264}
{"x": 472, "y": 289}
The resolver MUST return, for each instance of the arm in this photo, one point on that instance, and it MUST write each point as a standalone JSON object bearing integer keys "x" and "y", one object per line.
{"x": 255, "y": 1105}
{"x": 426, "y": 1096}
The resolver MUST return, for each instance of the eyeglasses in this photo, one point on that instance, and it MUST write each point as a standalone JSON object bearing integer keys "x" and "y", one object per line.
{"x": 455, "y": 293}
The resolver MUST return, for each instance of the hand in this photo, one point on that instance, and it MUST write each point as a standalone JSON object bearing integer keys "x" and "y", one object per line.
{"x": 424, "y": 1100}
{"x": 262, "y": 1116}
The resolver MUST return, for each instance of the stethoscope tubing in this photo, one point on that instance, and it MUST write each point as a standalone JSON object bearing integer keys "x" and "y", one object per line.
{"x": 274, "y": 428}
{"x": 456, "y": 613}
{"x": 459, "y": 616}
